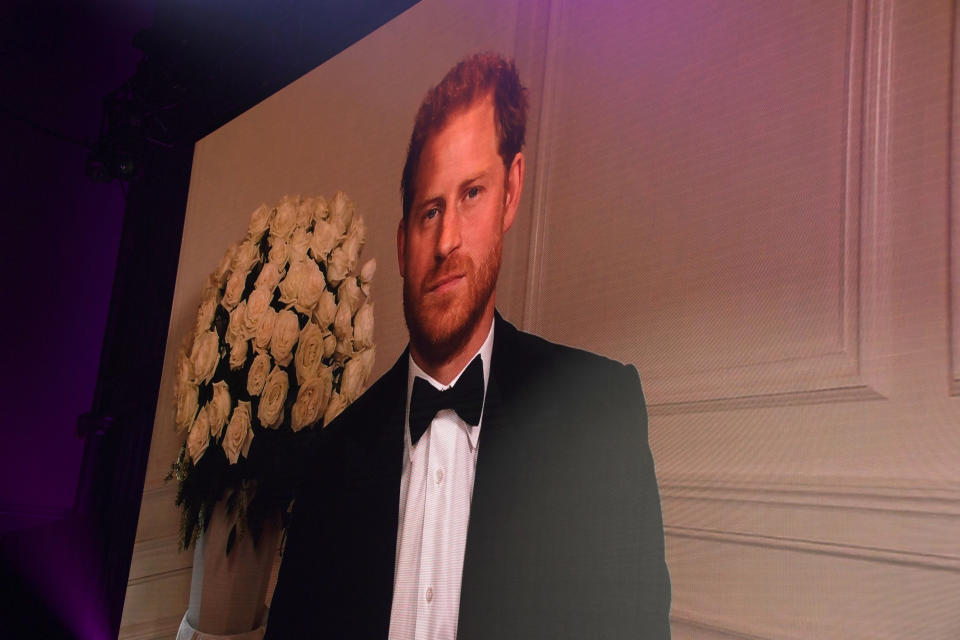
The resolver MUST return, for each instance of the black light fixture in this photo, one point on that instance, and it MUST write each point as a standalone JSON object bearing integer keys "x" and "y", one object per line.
{"x": 119, "y": 151}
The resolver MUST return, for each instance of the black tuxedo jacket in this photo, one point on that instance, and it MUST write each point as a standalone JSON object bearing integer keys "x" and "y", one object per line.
{"x": 565, "y": 538}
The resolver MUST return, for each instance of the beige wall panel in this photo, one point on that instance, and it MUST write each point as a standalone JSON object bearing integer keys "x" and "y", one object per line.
{"x": 749, "y": 202}
{"x": 702, "y": 208}
{"x": 751, "y": 588}
{"x": 157, "y": 508}
{"x": 155, "y": 604}
{"x": 954, "y": 219}
{"x": 901, "y": 525}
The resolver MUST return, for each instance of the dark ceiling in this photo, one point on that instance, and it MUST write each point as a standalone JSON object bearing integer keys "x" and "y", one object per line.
{"x": 216, "y": 59}
{"x": 170, "y": 71}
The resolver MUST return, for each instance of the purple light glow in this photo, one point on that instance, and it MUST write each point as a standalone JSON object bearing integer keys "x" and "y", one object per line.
{"x": 62, "y": 235}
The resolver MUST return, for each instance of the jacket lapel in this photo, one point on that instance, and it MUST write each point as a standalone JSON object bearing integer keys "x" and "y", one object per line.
{"x": 373, "y": 454}
{"x": 372, "y": 465}
{"x": 498, "y": 438}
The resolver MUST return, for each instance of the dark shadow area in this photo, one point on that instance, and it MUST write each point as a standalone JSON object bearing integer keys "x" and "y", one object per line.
{"x": 101, "y": 105}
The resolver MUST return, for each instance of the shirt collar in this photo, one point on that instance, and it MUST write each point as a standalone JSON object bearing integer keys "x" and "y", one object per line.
{"x": 413, "y": 370}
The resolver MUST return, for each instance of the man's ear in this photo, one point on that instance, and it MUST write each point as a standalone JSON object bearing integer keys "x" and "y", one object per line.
{"x": 514, "y": 188}
{"x": 401, "y": 243}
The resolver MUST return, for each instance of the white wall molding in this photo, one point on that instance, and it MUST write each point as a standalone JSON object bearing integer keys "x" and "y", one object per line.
{"x": 953, "y": 219}
{"x": 840, "y": 365}
{"x": 159, "y": 514}
{"x": 846, "y": 373}
{"x": 686, "y": 624}
{"x": 541, "y": 178}
{"x": 894, "y": 495}
{"x": 157, "y": 556}
{"x": 167, "y": 592}
{"x": 162, "y": 628}
{"x": 852, "y": 393}
{"x": 871, "y": 554}
{"x": 888, "y": 521}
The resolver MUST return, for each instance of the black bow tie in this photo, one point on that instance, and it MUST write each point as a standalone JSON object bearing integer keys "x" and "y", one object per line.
{"x": 465, "y": 397}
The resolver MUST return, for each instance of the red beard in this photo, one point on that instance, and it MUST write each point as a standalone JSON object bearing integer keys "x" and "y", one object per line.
{"x": 440, "y": 324}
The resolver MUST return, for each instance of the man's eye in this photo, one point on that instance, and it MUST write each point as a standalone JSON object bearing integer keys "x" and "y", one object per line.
{"x": 432, "y": 213}
{"x": 473, "y": 192}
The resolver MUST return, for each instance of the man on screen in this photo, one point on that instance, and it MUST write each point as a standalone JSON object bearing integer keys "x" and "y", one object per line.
{"x": 491, "y": 484}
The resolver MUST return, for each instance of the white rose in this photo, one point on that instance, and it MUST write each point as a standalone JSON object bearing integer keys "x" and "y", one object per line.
{"x": 298, "y": 245}
{"x": 338, "y": 266}
{"x": 247, "y": 255}
{"x": 218, "y": 408}
{"x": 326, "y": 310}
{"x": 363, "y": 327}
{"x": 187, "y": 398}
{"x": 268, "y": 322}
{"x": 367, "y": 358}
{"x": 325, "y": 237}
{"x": 358, "y": 231}
{"x": 211, "y": 289}
{"x": 329, "y": 345}
{"x": 351, "y": 384}
{"x": 219, "y": 275}
{"x": 350, "y": 292}
{"x": 342, "y": 209}
{"x": 343, "y": 350}
{"x": 238, "y": 353}
{"x": 321, "y": 210}
{"x": 366, "y": 272}
{"x": 312, "y": 287}
{"x": 279, "y": 252}
{"x": 285, "y": 218}
{"x": 311, "y": 402}
{"x": 336, "y": 405}
{"x": 199, "y": 437}
{"x": 239, "y": 433}
{"x": 184, "y": 373}
{"x": 205, "y": 314}
{"x": 269, "y": 277}
{"x": 285, "y": 335}
{"x": 351, "y": 248}
{"x": 234, "y": 291}
{"x": 291, "y": 283}
{"x": 205, "y": 356}
{"x": 257, "y": 375}
{"x": 274, "y": 395}
{"x": 259, "y": 221}
{"x": 309, "y": 356}
{"x": 257, "y": 304}
{"x": 305, "y": 209}
{"x": 341, "y": 322}
{"x": 366, "y": 276}
{"x": 235, "y": 325}
{"x": 236, "y": 338}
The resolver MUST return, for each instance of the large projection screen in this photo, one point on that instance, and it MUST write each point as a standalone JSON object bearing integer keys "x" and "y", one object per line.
{"x": 751, "y": 203}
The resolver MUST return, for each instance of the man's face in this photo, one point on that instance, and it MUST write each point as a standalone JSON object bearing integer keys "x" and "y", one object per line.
{"x": 450, "y": 245}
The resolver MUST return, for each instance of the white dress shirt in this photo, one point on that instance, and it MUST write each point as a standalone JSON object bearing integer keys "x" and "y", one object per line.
{"x": 435, "y": 493}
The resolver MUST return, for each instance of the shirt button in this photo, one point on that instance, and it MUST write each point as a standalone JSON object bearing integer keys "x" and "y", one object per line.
{"x": 429, "y": 594}
{"x": 439, "y": 476}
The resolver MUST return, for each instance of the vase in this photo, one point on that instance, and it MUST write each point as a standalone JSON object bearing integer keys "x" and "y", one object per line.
{"x": 228, "y": 592}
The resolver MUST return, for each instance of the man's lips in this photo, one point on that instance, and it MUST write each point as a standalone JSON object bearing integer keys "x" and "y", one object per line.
{"x": 444, "y": 283}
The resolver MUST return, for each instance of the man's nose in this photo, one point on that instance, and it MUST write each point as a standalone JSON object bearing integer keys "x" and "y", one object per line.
{"x": 449, "y": 238}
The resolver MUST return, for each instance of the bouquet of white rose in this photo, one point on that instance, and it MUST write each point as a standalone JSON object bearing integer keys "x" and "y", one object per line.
{"x": 283, "y": 341}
